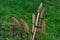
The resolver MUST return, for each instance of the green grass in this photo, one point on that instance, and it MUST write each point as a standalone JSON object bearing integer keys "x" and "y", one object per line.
{"x": 25, "y": 8}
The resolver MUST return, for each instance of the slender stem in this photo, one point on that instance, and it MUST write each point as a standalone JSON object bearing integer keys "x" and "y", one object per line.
{"x": 37, "y": 19}
{"x": 33, "y": 28}
{"x": 38, "y": 30}
{"x": 34, "y": 33}
{"x": 42, "y": 37}
{"x": 26, "y": 36}
{"x": 36, "y": 36}
{"x": 40, "y": 22}
{"x": 21, "y": 34}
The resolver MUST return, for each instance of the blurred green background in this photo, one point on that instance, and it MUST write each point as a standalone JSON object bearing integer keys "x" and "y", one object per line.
{"x": 24, "y": 9}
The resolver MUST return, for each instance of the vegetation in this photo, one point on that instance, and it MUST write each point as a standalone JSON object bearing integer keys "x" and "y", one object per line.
{"x": 24, "y": 9}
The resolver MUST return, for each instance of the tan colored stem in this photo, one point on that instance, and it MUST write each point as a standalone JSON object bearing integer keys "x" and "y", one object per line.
{"x": 16, "y": 21}
{"x": 40, "y": 7}
{"x": 33, "y": 18}
{"x": 43, "y": 27}
{"x": 33, "y": 21}
{"x": 42, "y": 13}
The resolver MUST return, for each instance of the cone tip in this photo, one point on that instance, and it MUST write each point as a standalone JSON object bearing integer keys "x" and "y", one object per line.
{"x": 40, "y": 5}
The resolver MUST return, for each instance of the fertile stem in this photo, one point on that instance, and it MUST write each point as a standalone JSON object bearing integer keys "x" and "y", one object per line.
{"x": 25, "y": 27}
{"x": 43, "y": 29}
{"x": 18, "y": 25}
